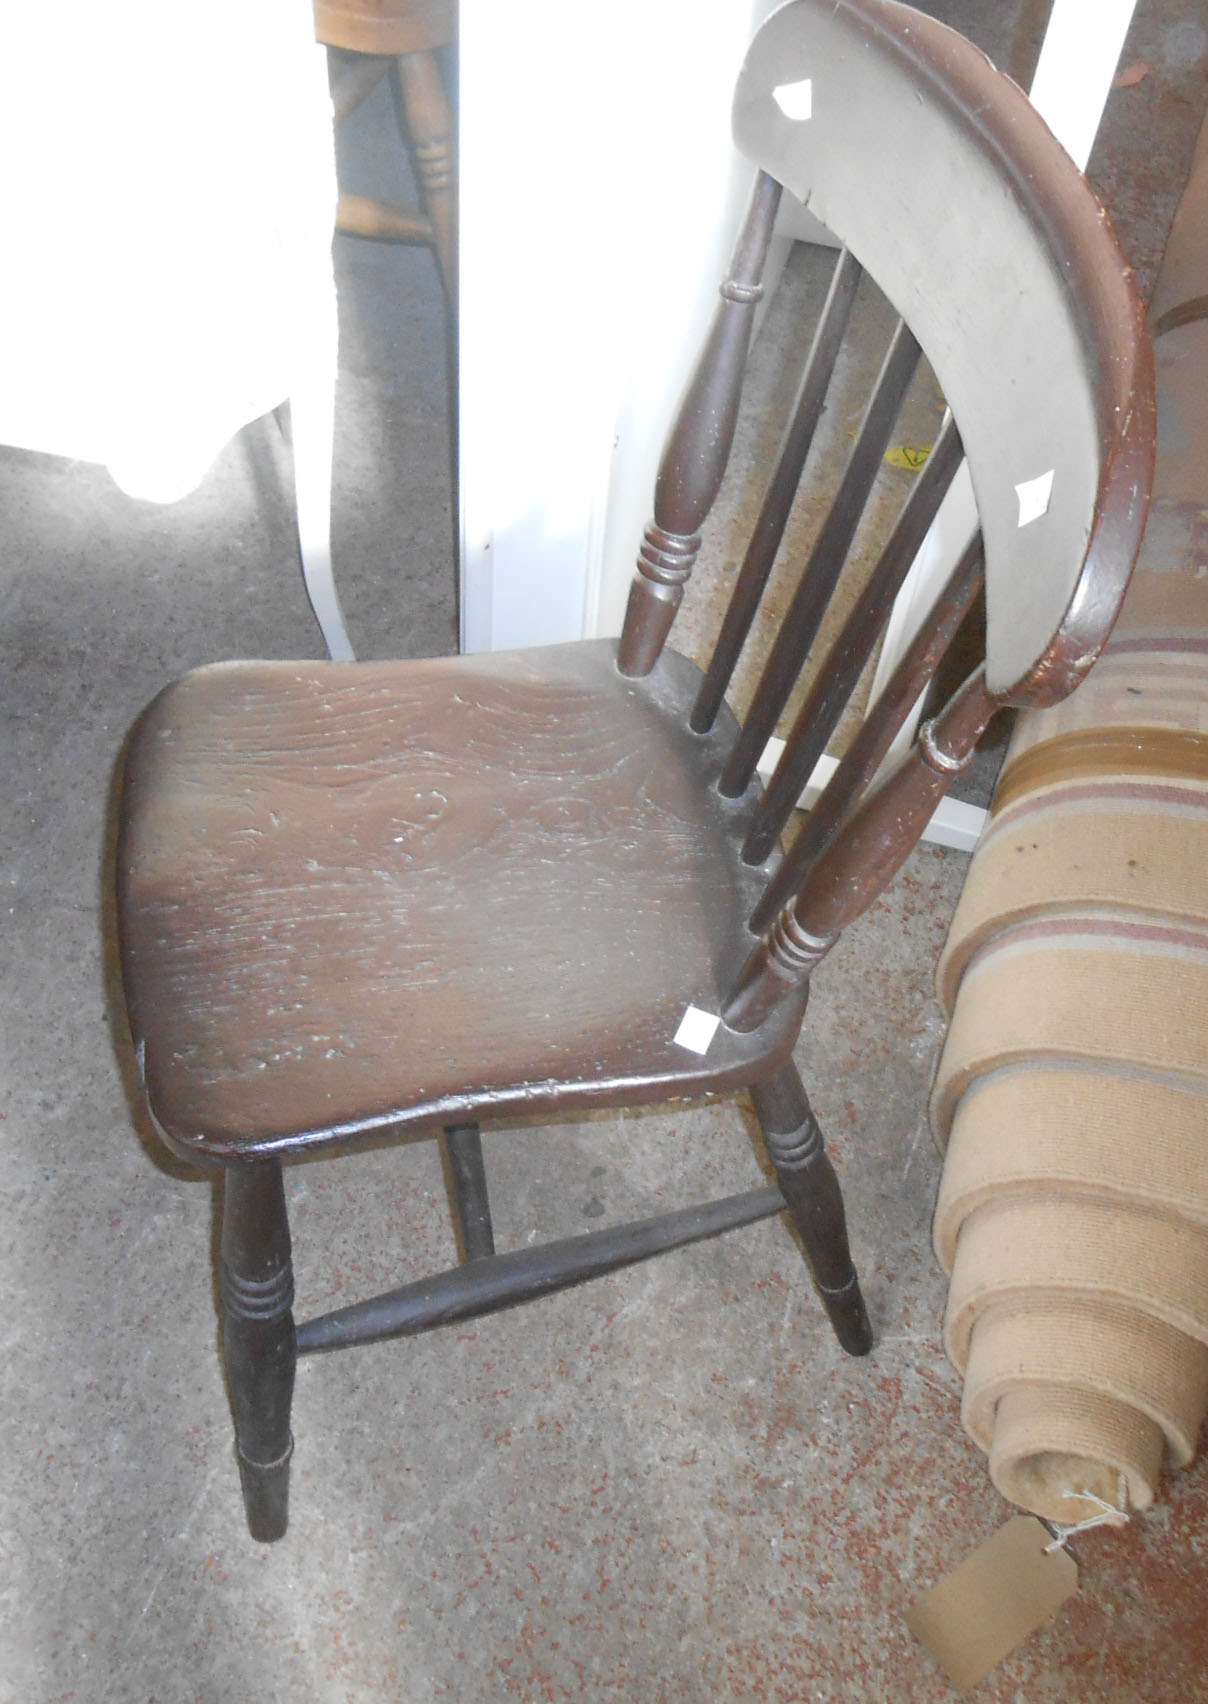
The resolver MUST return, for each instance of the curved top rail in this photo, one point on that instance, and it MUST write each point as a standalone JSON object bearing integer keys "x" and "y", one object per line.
{"x": 947, "y": 185}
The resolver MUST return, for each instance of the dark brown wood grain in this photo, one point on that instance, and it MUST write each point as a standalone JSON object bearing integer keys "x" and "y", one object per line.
{"x": 407, "y": 895}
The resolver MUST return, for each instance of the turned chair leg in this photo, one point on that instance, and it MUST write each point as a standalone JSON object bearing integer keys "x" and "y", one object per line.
{"x": 430, "y": 122}
{"x": 258, "y": 1338}
{"x": 471, "y": 1203}
{"x": 811, "y": 1191}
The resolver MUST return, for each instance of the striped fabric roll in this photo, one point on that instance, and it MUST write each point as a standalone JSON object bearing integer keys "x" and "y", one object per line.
{"x": 1105, "y": 990}
{"x": 1073, "y": 1089}
{"x": 1072, "y": 1095}
{"x": 1121, "y": 1135}
{"x": 1103, "y": 799}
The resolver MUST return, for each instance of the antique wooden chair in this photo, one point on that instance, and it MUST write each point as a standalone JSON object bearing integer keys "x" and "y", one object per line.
{"x": 402, "y": 40}
{"x": 364, "y": 898}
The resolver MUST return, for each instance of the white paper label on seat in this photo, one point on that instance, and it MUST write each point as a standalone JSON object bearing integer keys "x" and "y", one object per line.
{"x": 1034, "y": 497}
{"x": 795, "y": 100}
{"x": 696, "y": 1030}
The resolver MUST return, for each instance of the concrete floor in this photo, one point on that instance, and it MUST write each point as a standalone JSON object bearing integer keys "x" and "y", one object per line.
{"x": 667, "y": 1486}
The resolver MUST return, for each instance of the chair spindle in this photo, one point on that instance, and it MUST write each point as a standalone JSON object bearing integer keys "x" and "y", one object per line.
{"x": 800, "y": 626}
{"x": 782, "y": 489}
{"x": 862, "y": 859}
{"x": 868, "y": 749}
{"x": 836, "y": 679}
{"x": 694, "y": 462}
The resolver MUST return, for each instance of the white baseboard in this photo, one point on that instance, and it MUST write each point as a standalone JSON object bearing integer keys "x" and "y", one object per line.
{"x": 954, "y": 824}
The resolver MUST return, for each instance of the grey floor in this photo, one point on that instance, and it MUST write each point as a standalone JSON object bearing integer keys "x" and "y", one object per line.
{"x": 668, "y": 1486}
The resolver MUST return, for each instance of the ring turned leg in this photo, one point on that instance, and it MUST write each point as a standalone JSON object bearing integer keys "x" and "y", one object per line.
{"x": 258, "y": 1338}
{"x": 811, "y": 1190}
{"x": 430, "y": 121}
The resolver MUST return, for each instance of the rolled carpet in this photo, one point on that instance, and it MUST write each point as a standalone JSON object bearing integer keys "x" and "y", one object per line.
{"x": 1058, "y": 1243}
{"x": 1072, "y": 1094}
{"x": 1108, "y": 990}
{"x": 1103, "y": 799}
{"x": 1060, "y": 1388}
{"x": 1126, "y": 1138}
{"x": 1081, "y": 1328}
{"x": 1137, "y": 846}
{"x": 1073, "y": 1211}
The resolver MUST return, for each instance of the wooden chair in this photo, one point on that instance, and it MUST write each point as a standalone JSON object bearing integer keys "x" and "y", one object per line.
{"x": 367, "y": 898}
{"x": 400, "y": 39}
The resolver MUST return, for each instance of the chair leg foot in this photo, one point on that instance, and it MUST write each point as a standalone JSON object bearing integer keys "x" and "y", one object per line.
{"x": 811, "y": 1191}
{"x": 265, "y": 1495}
{"x": 258, "y": 1339}
{"x": 848, "y": 1316}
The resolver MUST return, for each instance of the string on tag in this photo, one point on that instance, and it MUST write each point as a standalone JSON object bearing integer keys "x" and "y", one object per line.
{"x": 1107, "y": 1514}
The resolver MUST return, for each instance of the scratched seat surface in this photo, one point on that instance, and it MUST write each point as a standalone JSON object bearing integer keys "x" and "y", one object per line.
{"x": 349, "y": 881}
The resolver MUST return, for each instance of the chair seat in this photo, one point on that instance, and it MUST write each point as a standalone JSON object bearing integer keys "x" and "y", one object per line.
{"x": 406, "y": 893}
{"x": 386, "y": 26}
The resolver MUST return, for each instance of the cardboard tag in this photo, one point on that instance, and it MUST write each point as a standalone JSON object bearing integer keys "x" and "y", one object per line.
{"x": 1001, "y": 1592}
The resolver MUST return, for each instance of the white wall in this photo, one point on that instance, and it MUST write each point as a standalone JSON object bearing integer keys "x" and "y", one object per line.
{"x": 599, "y": 197}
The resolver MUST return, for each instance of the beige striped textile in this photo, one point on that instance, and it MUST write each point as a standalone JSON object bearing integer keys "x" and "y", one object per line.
{"x": 1072, "y": 1093}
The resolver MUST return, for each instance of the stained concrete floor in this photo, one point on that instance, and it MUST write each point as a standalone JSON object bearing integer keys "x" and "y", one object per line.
{"x": 667, "y": 1486}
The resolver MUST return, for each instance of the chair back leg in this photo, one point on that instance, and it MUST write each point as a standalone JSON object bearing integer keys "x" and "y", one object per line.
{"x": 471, "y": 1203}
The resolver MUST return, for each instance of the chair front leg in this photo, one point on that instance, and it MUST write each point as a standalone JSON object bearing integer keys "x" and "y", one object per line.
{"x": 811, "y": 1191}
{"x": 258, "y": 1338}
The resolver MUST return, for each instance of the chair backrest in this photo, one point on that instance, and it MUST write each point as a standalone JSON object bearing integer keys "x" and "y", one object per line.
{"x": 938, "y": 177}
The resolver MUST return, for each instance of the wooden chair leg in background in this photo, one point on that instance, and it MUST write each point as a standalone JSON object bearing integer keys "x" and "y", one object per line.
{"x": 471, "y": 1205}
{"x": 811, "y": 1191}
{"x": 403, "y": 37}
{"x": 258, "y": 1338}
{"x": 430, "y": 122}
